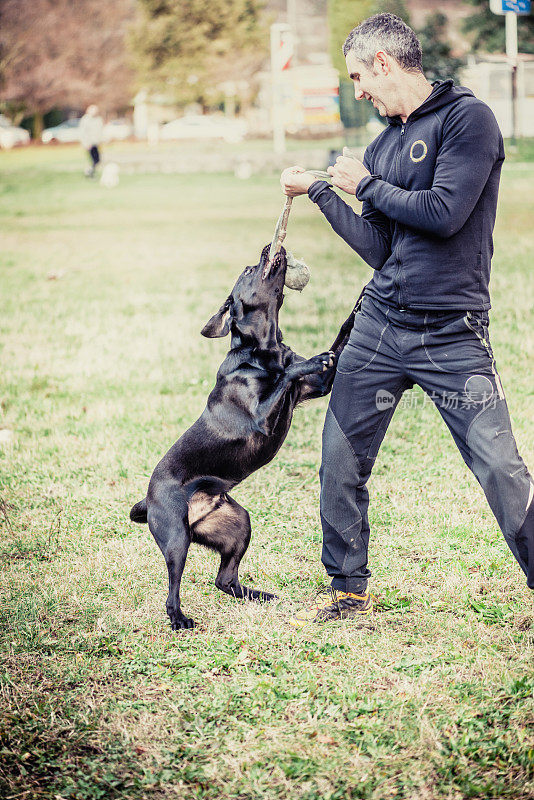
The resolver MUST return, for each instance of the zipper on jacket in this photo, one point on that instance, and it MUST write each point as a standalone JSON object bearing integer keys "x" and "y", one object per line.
{"x": 396, "y": 280}
{"x": 397, "y": 157}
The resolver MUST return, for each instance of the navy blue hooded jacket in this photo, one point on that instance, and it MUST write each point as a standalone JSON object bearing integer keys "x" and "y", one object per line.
{"x": 429, "y": 204}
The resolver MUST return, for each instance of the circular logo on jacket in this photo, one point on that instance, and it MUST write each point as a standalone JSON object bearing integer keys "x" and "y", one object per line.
{"x": 418, "y": 151}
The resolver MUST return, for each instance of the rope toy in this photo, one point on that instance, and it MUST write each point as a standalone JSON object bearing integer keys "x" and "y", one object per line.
{"x": 298, "y": 272}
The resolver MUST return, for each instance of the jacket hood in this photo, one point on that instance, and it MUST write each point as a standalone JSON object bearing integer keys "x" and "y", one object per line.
{"x": 443, "y": 94}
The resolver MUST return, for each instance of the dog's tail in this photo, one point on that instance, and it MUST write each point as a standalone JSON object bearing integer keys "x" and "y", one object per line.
{"x": 138, "y": 512}
{"x": 208, "y": 484}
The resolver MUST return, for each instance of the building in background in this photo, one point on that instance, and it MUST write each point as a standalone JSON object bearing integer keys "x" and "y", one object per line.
{"x": 489, "y": 78}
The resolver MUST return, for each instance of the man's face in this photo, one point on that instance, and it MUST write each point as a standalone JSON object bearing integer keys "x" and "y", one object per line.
{"x": 368, "y": 84}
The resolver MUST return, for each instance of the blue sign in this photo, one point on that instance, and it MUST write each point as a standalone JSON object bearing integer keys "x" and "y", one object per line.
{"x": 518, "y": 6}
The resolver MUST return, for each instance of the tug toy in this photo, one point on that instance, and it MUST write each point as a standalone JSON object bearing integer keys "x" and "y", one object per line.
{"x": 298, "y": 272}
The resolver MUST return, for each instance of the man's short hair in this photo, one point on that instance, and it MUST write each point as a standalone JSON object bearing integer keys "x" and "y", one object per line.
{"x": 389, "y": 33}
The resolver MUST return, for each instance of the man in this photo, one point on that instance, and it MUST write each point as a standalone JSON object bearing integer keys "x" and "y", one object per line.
{"x": 429, "y": 185}
{"x": 91, "y": 133}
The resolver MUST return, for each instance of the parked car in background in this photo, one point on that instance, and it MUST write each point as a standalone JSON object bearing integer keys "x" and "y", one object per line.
{"x": 11, "y": 135}
{"x": 68, "y": 131}
{"x": 118, "y": 130}
{"x": 204, "y": 127}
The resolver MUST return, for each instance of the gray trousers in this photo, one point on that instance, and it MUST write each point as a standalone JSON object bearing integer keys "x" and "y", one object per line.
{"x": 449, "y": 355}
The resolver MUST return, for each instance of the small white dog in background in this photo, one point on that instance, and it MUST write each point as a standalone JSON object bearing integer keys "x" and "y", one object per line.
{"x": 110, "y": 175}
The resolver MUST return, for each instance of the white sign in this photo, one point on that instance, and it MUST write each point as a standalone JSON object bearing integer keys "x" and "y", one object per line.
{"x": 281, "y": 54}
{"x": 282, "y": 46}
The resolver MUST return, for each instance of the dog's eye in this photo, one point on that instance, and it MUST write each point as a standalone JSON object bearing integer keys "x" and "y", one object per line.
{"x": 248, "y": 270}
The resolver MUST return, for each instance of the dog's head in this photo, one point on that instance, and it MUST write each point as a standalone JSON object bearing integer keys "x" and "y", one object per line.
{"x": 251, "y": 310}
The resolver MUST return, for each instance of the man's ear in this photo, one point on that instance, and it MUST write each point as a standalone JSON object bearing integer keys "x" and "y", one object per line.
{"x": 382, "y": 63}
{"x": 219, "y": 324}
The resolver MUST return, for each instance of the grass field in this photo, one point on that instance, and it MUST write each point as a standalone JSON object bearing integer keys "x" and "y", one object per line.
{"x": 103, "y": 295}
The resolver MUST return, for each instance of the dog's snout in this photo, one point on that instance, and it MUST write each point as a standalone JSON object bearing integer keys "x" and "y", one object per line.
{"x": 273, "y": 267}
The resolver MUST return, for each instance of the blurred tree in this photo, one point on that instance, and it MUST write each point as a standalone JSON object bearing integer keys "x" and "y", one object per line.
{"x": 438, "y": 61}
{"x": 63, "y": 53}
{"x": 397, "y": 7}
{"x": 343, "y": 16}
{"x": 487, "y": 30}
{"x": 188, "y": 50}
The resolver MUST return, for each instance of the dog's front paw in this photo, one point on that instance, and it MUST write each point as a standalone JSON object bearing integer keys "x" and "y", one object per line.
{"x": 326, "y": 360}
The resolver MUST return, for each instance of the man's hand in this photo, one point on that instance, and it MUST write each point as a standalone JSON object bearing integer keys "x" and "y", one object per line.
{"x": 295, "y": 181}
{"x": 347, "y": 172}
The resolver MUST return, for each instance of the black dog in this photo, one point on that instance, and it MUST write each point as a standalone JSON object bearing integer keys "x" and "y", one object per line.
{"x": 245, "y": 422}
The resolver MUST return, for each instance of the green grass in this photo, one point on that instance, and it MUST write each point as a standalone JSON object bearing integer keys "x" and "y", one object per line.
{"x": 103, "y": 297}
{"x": 523, "y": 150}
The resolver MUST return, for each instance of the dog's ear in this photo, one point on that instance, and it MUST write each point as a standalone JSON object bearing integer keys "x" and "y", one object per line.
{"x": 219, "y": 324}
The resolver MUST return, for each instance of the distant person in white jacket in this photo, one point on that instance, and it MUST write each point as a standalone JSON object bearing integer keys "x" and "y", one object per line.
{"x": 91, "y": 133}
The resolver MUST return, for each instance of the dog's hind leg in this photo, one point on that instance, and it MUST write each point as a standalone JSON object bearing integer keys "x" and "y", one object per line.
{"x": 168, "y": 523}
{"x": 226, "y": 528}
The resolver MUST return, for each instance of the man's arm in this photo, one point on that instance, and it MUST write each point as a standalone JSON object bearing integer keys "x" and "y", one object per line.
{"x": 368, "y": 233}
{"x": 470, "y": 149}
